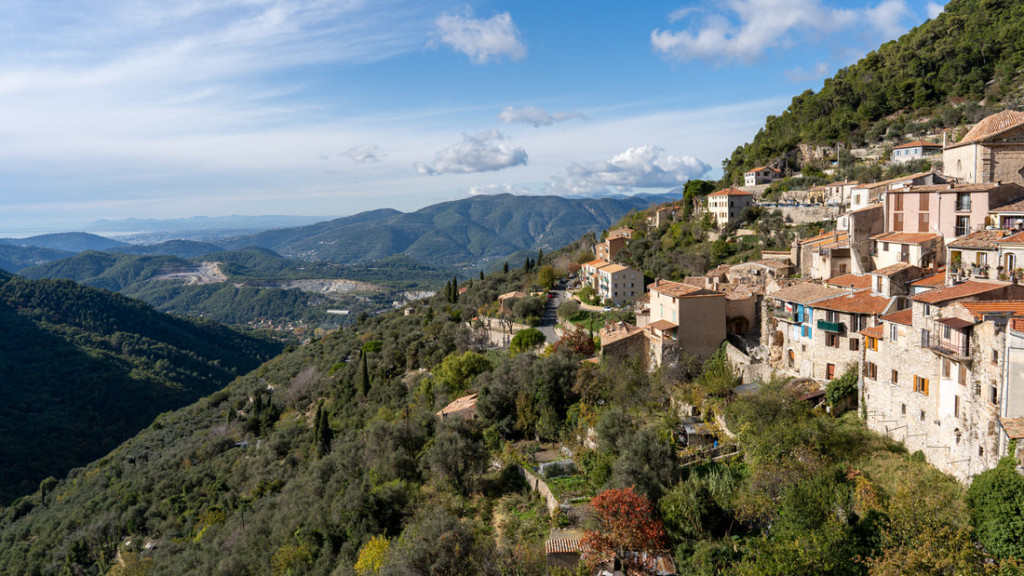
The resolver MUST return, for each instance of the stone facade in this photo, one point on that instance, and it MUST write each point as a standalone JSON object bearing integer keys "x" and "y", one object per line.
{"x": 992, "y": 151}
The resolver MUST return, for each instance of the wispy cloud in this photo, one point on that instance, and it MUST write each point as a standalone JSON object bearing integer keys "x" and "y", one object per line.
{"x": 484, "y": 152}
{"x": 798, "y": 74}
{"x": 363, "y": 154}
{"x": 504, "y": 188}
{"x": 637, "y": 167}
{"x": 744, "y": 30}
{"x": 483, "y": 40}
{"x": 934, "y": 9}
{"x": 535, "y": 116}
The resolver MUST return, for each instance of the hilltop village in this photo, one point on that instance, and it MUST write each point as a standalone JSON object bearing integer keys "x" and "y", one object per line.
{"x": 917, "y": 291}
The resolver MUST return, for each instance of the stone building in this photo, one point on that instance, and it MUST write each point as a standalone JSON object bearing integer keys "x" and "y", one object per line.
{"x": 916, "y": 248}
{"x": 622, "y": 340}
{"x": 673, "y": 304}
{"x": 726, "y": 205}
{"x": 918, "y": 150}
{"x": 789, "y": 319}
{"x": 977, "y": 254}
{"x": 992, "y": 151}
{"x": 825, "y": 255}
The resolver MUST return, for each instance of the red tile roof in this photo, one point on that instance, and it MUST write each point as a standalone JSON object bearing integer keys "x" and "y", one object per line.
{"x": 905, "y": 317}
{"x": 618, "y": 331}
{"x": 862, "y": 302}
{"x": 964, "y": 290}
{"x": 1017, "y": 324}
{"x": 1014, "y": 427}
{"x": 807, "y": 293}
{"x": 1006, "y": 307}
{"x": 731, "y": 192}
{"x": 855, "y": 281}
{"x": 874, "y": 331}
{"x": 1015, "y": 205}
{"x": 677, "y": 290}
{"x": 663, "y": 325}
{"x": 906, "y": 237}
{"x": 980, "y": 240}
{"x": 992, "y": 126}
{"x": 1017, "y": 238}
{"x": 937, "y": 279}
{"x": 892, "y": 269}
{"x": 916, "y": 144}
{"x": 563, "y": 546}
{"x": 759, "y": 168}
{"x": 459, "y": 404}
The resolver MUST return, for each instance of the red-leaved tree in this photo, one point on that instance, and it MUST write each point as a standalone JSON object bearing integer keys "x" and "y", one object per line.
{"x": 628, "y": 523}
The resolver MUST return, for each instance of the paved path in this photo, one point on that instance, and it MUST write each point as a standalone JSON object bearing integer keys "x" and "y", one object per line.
{"x": 550, "y": 318}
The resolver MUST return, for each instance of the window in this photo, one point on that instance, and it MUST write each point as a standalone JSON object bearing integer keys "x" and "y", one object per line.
{"x": 922, "y": 222}
{"x": 981, "y": 451}
{"x": 963, "y": 225}
{"x": 854, "y": 344}
{"x": 945, "y": 367}
{"x": 830, "y": 371}
{"x": 956, "y": 407}
{"x": 870, "y": 370}
{"x": 995, "y": 356}
{"x": 922, "y": 416}
{"x": 920, "y": 385}
{"x": 832, "y": 340}
{"x": 923, "y": 202}
{"x": 927, "y": 309}
{"x": 993, "y": 395}
{"x": 961, "y": 375}
{"x": 872, "y": 343}
{"x": 893, "y": 331}
{"x": 897, "y": 225}
{"x": 903, "y": 409}
{"x": 878, "y": 284}
{"x": 885, "y": 246}
{"x": 897, "y": 202}
{"x": 963, "y": 201}
{"x": 895, "y": 377}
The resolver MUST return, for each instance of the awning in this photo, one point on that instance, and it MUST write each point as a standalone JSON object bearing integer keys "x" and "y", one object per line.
{"x": 956, "y": 323}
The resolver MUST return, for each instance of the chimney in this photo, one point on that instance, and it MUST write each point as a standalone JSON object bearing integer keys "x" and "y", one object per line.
{"x": 943, "y": 138}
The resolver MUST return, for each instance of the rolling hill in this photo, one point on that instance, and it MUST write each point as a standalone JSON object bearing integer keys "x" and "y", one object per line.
{"x": 463, "y": 234}
{"x": 81, "y": 370}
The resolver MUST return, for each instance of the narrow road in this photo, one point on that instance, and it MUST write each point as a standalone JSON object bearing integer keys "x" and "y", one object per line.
{"x": 550, "y": 318}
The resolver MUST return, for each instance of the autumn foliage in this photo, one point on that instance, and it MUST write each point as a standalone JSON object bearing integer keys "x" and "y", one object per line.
{"x": 628, "y": 522}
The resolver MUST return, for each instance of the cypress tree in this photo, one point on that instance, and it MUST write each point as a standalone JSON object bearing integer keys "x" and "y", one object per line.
{"x": 505, "y": 269}
{"x": 448, "y": 291}
{"x": 324, "y": 434}
{"x": 481, "y": 274}
{"x": 526, "y": 264}
{"x": 364, "y": 381}
{"x": 455, "y": 289}
{"x": 540, "y": 256}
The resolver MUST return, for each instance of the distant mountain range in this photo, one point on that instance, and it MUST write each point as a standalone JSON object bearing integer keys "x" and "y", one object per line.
{"x": 463, "y": 234}
{"x": 81, "y": 370}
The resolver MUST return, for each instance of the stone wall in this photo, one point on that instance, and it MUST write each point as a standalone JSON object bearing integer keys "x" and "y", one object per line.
{"x": 541, "y": 488}
{"x": 806, "y": 214}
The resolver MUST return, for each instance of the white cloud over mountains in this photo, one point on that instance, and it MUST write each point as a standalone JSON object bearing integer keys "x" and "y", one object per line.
{"x": 744, "y": 30}
{"x": 535, "y": 116}
{"x": 483, "y": 40}
{"x": 483, "y": 152}
{"x": 637, "y": 167}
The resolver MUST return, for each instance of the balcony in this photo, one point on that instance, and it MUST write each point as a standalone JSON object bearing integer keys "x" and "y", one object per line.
{"x": 834, "y": 327}
{"x": 950, "y": 338}
{"x": 782, "y": 314}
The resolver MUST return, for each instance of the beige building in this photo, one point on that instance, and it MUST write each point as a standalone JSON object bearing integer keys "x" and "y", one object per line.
{"x": 726, "y": 205}
{"x": 977, "y": 254}
{"x": 761, "y": 175}
{"x": 619, "y": 284}
{"x": 610, "y": 248}
{"x": 992, "y": 151}
{"x": 588, "y": 272}
{"x": 918, "y": 150}
{"x": 915, "y": 248}
{"x": 702, "y": 313}
{"x": 825, "y": 255}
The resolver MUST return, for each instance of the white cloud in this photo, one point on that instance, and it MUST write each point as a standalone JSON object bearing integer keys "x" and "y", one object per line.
{"x": 535, "y": 116}
{"x": 638, "y": 167}
{"x": 491, "y": 189}
{"x": 482, "y": 40}
{"x": 798, "y": 74}
{"x": 363, "y": 154}
{"x": 484, "y": 152}
{"x": 744, "y": 30}
{"x": 934, "y": 9}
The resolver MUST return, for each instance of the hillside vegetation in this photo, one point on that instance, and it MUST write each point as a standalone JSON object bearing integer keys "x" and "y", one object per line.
{"x": 81, "y": 370}
{"x": 952, "y": 70}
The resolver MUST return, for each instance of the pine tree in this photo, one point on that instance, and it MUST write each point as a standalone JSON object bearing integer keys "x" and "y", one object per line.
{"x": 526, "y": 264}
{"x": 364, "y": 381}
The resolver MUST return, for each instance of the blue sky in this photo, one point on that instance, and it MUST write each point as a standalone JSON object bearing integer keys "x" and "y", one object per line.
{"x": 177, "y": 108}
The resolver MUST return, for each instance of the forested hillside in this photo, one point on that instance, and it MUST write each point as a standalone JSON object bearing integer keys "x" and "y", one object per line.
{"x": 470, "y": 233}
{"x": 81, "y": 370}
{"x": 330, "y": 460}
{"x": 952, "y": 70}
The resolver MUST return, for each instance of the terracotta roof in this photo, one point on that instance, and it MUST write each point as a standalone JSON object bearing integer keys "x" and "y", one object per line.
{"x": 909, "y": 178}
{"x": 969, "y": 288}
{"x": 740, "y": 292}
{"x": 991, "y": 126}
{"x": 855, "y": 281}
{"x": 807, "y": 293}
{"x": 516, "y": 294}
{"x": 663, "y": 325}
{"x": 916, "y": 144}
{"x": 1014, "y": 427}
{"x": 827, "y": 236}
{"x": 862, "y": 302}
{"x": 613, "y": 268}
{"x": 906, "y": 237}
{"x": 1004, "y": 307}
{"x": 618, "y": 331}
{"x": 874, "y": 332}
{"x": 937, "y": 279}
{"x": 837, "y": 183}
{"x": 980, "y": 240}
{"x": 1017, "y": 238}
{"x": 1017, "y": 324}
{"x": 597, "y": 263}
{"x": 776, "y": 263}
{"x": 677, "y": 290}
{"x": 905, "y": 317}
{"x": 1015, "y": 205}
{"x": 759, "y": 168}
{"x": 697, "y": 281}
{"x": 951, "y": 187}
{"x": 466, "y": 402}
{"x": 718, "y": 271}
{"x": 731, "y": 192}
{"x": 893, "y": 269}
{"x": 563, "y": 546}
